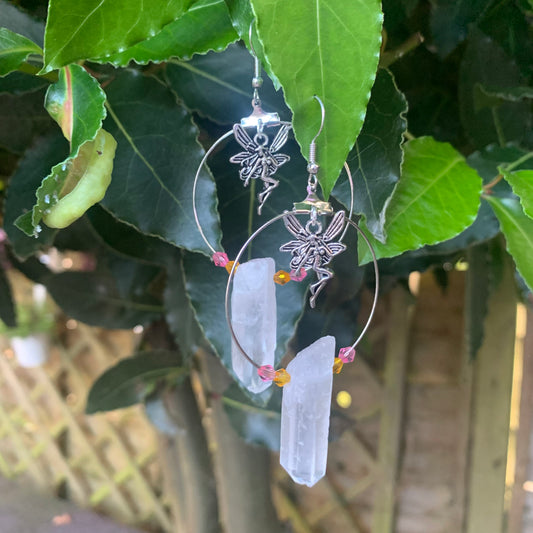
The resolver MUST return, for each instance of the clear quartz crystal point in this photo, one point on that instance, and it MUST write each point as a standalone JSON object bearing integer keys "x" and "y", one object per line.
{"x": 253, "y": 317}
{"x": 305, "y": 412}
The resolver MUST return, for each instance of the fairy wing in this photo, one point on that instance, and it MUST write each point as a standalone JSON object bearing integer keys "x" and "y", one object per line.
{"x": 281, "y": 138}
{"x": 243, "y": 138}
{"x": 335, "y": 227}
{"x": 294, "y": 226}
{"x": 242, "y": 157}
{"x": 336, "y": 248}
{"x": 280, "y": 159}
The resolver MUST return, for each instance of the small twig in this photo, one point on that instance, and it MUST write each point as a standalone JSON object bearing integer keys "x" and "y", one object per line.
{"x": 388, "y": 58}
{"x": 488, "y": 187}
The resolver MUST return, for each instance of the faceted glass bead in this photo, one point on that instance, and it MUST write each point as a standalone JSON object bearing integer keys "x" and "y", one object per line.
{"x": 281, "y": 277}
{"x": 282, "y": 377}
{"x": 347, "y": 354}
{"x": 298, "y": 276}
{"x": 229, "y": 266}
{"x": 266, "y": 372}
{"x": 220, "y": 259}
{"x": 337, "y": 365}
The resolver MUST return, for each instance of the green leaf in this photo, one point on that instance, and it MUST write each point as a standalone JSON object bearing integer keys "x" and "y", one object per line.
{"x": 219, "y": 86}
{"x": 377, "y": 156}
{"x": 307, "y": 61}
{"x": 125, "y": 239}
{"x": 7, "y": 309}
{"x": 205, "y": 26}
{"x": 450, "y": 20}
{"x": 112, "y": 300}
{"x": 155, "y": 164}
{"x": 86, "y": 30}
{"x": 20, "y": 83}
{"x": 179, "y": 312}
{"x": 21, "y": 193}
{"x": 508, "y": 122}
{"x": 255, "y": 425}
{"x": 23, "y": 118}
{"x": 517, "y": 228}
{"x": 125, "y": 384}
{"x": 14, "y": 50}
{"x": 522, "y": 183}
{"x": 76, "y": 103}
{"x": 206, "y": 284}
{"x": 434, "y": 177}
{"x": 20, "y": 22}
{"x": 494, "y": 96}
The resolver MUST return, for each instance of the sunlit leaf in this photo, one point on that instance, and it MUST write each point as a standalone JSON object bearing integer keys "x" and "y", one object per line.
{"x": 298, "y": 43}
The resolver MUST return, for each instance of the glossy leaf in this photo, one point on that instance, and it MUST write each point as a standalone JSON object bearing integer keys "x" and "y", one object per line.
{"x": 76, "y": 103}
{"x": 205, "y": 26}
{"x": 112, "y": 300}
{"x": 21, "y": 193}
{"x": 23, "y": 118}
{"x": 219, "y": 86}
{"x": 522, "y": 183}
{"x": 85, "y": 30}
{"x": 494, "y": 96}
{"x": 7, "y": 308}
{"x": 125, "y": 239}
{"x": 450, "y": 20}
{"x": 507, "y": 122}
{"x": 377, "y": 156}
{"x": 517, "y": 228}
{"x": 434, "y": 177}
{"x": 14, "y": 50}
{"x": 21, "y": 83}
{"x": 155, "y": 164}
{"x": 307, "y": 61}
{"x": 179, "y": 312}
{"x": 255, "y": 425}
{"x": 125, "y": 384}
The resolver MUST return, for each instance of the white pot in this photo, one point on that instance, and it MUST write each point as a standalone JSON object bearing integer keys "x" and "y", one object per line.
{"x": 31, "y": 351}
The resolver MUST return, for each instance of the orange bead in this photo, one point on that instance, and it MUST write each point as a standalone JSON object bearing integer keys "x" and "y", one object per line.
{"x": 229, "y": 266}
{"x": 281, "y": 277}
{"x": 337, "y": 365}
{"x": 282, "y": 377}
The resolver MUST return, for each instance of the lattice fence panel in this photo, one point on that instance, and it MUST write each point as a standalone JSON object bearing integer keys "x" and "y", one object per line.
{"x": 106, "y": 461}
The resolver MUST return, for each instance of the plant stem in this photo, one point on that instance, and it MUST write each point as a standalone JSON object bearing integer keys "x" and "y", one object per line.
{"x": 498, "y": 126}
{"x": 388, "y": 58}
{"x": 519, "y": 161}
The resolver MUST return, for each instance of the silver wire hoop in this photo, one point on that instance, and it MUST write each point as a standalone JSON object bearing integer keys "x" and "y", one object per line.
{"x": 260, "y": 230}
{"x": 210, "y": 151}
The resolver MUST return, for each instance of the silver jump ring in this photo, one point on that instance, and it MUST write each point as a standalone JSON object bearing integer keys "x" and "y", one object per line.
{"x": 260, "y": 230}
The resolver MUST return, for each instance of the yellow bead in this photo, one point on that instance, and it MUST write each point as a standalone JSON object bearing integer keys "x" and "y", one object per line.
{"x": 281, "y": 277}
{"x": 337, "y": 365}
{"x": 229, "y": 266}
{"x": 282, "y": 377}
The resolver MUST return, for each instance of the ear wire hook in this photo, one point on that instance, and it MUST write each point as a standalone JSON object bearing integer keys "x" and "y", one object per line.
{"x": 313, "y": 166}
{"x": 257, "y": 80}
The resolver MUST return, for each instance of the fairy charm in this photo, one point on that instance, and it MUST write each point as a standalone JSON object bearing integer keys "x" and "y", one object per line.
{"x": 259, "y": 160}
{"x": 313, "y": 248}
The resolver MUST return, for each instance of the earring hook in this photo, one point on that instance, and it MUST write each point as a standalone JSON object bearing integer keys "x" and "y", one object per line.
{"x": 254, "y": 54}
{"x": 313, "y": 166}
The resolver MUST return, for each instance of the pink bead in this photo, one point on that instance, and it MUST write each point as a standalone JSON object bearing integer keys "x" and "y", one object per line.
{"x": 347, "y": 355}
{"x": 220, "y": 259}
{"x": 298, "y": 276}
{"x": 266, "y": 372}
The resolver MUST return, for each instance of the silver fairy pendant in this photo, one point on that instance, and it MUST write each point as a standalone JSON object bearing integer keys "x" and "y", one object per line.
{"x": 314, "y": 248}
{"x": 259, "y": 159}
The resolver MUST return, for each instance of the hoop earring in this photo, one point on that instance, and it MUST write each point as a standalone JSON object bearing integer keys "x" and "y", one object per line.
{"x": 308, "y": 379}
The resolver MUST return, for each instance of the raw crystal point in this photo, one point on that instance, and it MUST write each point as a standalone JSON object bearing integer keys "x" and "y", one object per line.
{"x": 253, "y": 317}
{"x": 305, "y": 412}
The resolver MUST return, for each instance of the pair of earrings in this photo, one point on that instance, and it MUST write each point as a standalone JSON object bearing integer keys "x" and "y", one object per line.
{"x": 250, "y": 301}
